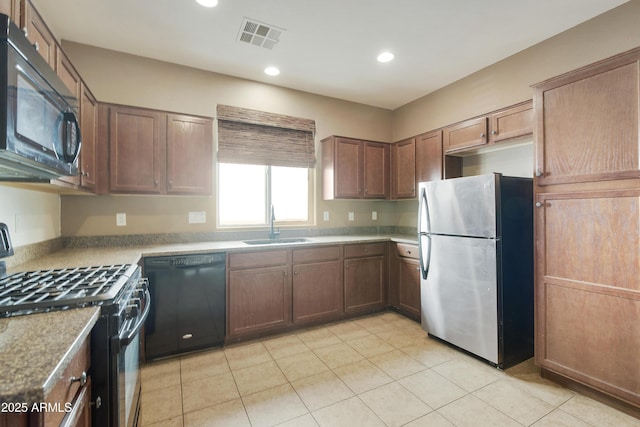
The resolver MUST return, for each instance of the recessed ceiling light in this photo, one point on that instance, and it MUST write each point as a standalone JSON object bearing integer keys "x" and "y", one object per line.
{"x": 385, "y": 57}
{"x": 207, "y": 3}
{"x": 272, "y": 71}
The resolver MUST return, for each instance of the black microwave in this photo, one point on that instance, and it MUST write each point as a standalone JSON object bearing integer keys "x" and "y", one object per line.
{"x": 39, "y": 130}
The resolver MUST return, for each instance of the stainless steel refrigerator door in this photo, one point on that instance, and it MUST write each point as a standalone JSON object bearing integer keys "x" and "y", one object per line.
{"x": 461, "y": 206}
{"x": 459, "y": 295}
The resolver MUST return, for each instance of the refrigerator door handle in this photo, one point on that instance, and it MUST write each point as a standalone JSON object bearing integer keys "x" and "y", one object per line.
{"x": 424, "y": 222}
{"x": 424, "y": 240}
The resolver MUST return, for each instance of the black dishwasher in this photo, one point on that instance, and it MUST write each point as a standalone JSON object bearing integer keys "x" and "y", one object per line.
{"x": 187, "y": 303}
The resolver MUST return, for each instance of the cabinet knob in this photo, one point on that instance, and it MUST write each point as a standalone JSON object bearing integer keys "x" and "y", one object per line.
{"x": 538, "y": 173}
{"x": 156, "y": 182}
{"x": 408, "y": 251}
{"x": 538, "y": 205}
{"x": 494, "y": 132}
{"x": 418, "y": 268}
{"x": 82, "y": 379}
{"x": 25, "y": 31}
{"x": 83, "y": 173}
{"x": 482, "y": 135}
{"x": 170, "y": 183}
{"x": 37, "y": 46}
{"x": 285, "y": 273}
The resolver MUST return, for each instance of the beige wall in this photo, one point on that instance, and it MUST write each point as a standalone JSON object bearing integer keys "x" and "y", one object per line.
{"x": 126, "y": 79}
{"x": 509, "y": 81}
{"x": 32, "y": 215}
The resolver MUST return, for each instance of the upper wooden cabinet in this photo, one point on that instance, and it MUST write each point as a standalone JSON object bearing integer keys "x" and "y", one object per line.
{"x": 11, "y": 8}
{"x": 468, "y": 134}
{"x": 499, "y": 126}
{"x": 155, "y": 152}
{"x": 38, "y": 33}
{"x": 354, "y": 169}
{"x": 189, "y": 154}
{"x": 403, "y": 169}
{"x": 67, "y": 73}
{"x": 429, "y": 156}
{"x": 88, "y": 165}
{"x": 587, "y": 123}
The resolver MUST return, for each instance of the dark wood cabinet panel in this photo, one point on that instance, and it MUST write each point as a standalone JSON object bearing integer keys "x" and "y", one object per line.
{"x": 137, "y": 147}
{"x": 375, "y": 170}
{"x": 587, "y": 291}
{"x": 468, "y": 134}
{"x": 364, "y": 284}
{"x": 429, "y": 157}
{"x": 354, "y": 169}
{"x": 409, "y": 285}
{"x": 403, "y": 167}
{"x": 587, "y": 123}
{"x": 189, "y": 154}
{"x": 39, "y": 34}
{"x": 88, "y": 163}
{"x": 317, "y": 291}
{"x": 67, "y": 73}
{"x": 259, "y": 300}
{"x": 155, "y": 152}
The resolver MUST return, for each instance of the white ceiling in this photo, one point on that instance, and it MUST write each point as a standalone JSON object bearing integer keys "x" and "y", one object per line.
{"x": 329, "y": 47}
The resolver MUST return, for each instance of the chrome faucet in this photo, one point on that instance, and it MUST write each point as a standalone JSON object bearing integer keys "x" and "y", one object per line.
{"x": 272, "y": 233}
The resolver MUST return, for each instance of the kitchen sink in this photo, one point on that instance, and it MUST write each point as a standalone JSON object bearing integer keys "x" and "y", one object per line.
{"x": 274, "y": 241}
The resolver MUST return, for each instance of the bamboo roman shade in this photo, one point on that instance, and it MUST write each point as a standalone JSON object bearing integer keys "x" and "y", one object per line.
{"x": 261, "y": 138}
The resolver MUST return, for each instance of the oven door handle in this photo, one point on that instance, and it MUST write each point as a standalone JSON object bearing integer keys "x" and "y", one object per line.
{"x": 126, "y": 337}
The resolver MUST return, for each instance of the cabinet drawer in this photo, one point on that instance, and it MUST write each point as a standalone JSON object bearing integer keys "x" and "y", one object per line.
{"x": 364, "y": 249}
{"x": 407, "y": 251}
{"x": 310, "y": 255}
{"x": 65, "y": 390}
{"x": 258, "y": 259}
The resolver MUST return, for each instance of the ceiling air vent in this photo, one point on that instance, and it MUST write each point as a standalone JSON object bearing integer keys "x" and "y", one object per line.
{"x": 259, "y": 34}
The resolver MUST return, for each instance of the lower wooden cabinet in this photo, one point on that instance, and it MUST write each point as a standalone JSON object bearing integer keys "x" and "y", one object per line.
{"x": 404, "y": 284}
{"x": 317, "y": 284}
{"x": 68, "y": 403}
{"x": 364, "y": 277}
{"x": 259, "y": 292}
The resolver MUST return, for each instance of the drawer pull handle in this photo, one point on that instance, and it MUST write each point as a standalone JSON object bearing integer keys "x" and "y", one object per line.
{"x": 82, "y": 379}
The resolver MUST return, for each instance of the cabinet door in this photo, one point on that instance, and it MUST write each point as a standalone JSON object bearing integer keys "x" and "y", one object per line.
{"x": 348, "y": 168}
{"x": 587, "y": 289}
{"x": 468, "y": 134}
{"x": 189, "y": 155}
{"x": 587, "y": 123}
{"x": 259, "y": 300}
{"x": 364, "y": 284}
{"x": 67, "y": 73}
{"x": 429, "y": 157}
{"x": 89, "y": 131}
{"x": 39, "y": 34}
{"x": 376, "y": 170}
{"x": 403, "y": 166}
{"x": 409, "y": 285}
{"x": 317, "y": 291}
{"x": 11, "y": 8}
{"x": 137, "y": 147}
{"x": 514, "y": 122}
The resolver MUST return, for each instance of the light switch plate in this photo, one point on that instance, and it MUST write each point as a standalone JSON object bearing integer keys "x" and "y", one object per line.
{"x": 325, "y": 216}
{"x": 121, "y": 219}
{"x": 197, "y": 217}
{"x": 374, "y": 215}
{"x": 351, "y": 216}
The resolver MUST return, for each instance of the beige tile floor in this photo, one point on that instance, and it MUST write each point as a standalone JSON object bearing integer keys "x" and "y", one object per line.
{"x": 371, "y": 371}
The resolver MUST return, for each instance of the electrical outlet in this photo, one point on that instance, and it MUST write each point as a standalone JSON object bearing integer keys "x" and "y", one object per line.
{"x": 374, "y": 215}
{"x": 197, "y": 217}
{"x": 121, "y": 219}
{"x": 325, "y": 215}
{"x": 351, "y": 216}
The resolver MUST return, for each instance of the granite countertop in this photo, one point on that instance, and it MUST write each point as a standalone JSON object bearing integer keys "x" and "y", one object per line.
{"x": 85, "y": 257}
{"x": 36, "y": 349}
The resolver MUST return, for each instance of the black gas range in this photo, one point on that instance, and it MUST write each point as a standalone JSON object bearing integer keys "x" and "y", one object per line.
{"x": 123, "y": 297}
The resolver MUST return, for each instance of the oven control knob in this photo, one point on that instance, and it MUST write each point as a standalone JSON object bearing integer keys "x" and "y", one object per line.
{"x": 135, "y": 301}
{"x": 131, "y": 311}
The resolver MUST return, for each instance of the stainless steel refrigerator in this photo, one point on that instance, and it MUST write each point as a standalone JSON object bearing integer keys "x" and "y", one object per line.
{"x": 476, "y": 257}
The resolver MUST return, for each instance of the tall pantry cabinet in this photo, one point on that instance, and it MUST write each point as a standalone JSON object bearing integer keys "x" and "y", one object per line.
{"x": 587, "y": 222}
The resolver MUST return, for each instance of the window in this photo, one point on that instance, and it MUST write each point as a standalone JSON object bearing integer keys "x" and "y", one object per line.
{"x": 264, "y": 160}
{"x": 246, "y": 193}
